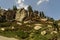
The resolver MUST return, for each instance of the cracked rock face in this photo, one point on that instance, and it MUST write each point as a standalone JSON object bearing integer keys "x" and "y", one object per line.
{"x": 20, "y": 15}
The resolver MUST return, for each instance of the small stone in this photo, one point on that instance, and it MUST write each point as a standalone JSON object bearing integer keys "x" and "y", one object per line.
{"x": 43, "y": 32}
{"x": 37, "y": 27}
{"x": 12, "y": 27}
{"x": 49, "y": 26}
{"x": 26, "y": 21}
{"x": 54, "y": 32}
{"x": 44, "y": 19}
{"x": 2, "y": 29}
{"x": 19, "y": 23}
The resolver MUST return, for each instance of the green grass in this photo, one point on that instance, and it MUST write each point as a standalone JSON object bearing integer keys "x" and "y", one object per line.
{"x": 24, "y": 32}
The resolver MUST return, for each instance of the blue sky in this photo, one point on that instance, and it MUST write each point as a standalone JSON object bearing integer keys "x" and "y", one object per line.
{"x": 50, "y": 7}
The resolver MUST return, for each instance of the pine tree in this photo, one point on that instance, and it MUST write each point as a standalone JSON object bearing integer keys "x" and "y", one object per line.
{"x": 35, "y": 13}
{"x": 0, "y": 8}
{"x": 14, "y": 8}
{"x": 56, "y": 25}
{"x": 42, "y": 14}
{"x": 30, "y": 9}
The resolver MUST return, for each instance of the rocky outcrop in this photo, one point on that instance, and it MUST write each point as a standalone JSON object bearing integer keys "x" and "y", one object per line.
{"x": 10, "y": 15}
{"x": 21, "y": 14}
{"x": 2, "y": 12}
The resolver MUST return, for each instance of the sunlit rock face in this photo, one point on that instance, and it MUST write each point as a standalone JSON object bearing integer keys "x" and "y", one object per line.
{"x": 21, "y": 14}
{"x": 58, "y": 24}
{"x": 2, "y": 12}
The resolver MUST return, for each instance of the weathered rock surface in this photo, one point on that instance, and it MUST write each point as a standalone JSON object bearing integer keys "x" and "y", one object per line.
{"x": 5, "y": 38}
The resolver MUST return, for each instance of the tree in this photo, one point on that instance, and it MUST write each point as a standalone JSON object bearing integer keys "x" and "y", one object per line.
{"x": 30, "y": 9}
{"x": 35, "y": 13}
{"x": 9, "y": 9}
{"x": 56, "y": 25}
{"x": 0, "y": 8}
{"x": 42, "y": 14}
{"x": 14, "y": 8}
{"x": 3, "y": 18}
{"x": 49, "y": 18}
{"x": 14, "y": 11}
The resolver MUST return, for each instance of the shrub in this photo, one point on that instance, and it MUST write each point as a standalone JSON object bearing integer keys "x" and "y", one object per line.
{"x": 22, "y": 34}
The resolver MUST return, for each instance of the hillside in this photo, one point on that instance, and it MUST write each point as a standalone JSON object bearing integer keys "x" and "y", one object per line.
{"x": 28, "y": 24}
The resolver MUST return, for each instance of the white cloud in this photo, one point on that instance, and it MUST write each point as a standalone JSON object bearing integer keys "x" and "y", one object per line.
{"x": 19, "y": 1}
{"x": 41, "y": 1}
{"x": 21, "y": 4}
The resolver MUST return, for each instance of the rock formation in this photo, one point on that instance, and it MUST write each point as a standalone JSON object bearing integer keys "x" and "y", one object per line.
{"x": 21, "y": 14}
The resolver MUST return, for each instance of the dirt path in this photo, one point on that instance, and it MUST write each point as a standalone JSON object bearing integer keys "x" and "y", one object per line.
{"x": 5, "y": 38}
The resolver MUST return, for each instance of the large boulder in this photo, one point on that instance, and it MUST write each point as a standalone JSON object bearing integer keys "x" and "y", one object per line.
{"x": 21, "y": 14}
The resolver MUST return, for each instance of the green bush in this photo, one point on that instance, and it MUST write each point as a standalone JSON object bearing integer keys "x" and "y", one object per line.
{"x": 22, "y": 34}
{"x": 8, "y": 33}
{"x": 7, "y": 24}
